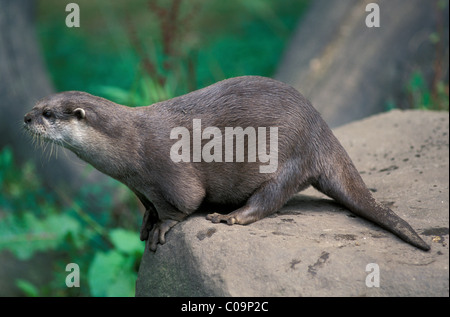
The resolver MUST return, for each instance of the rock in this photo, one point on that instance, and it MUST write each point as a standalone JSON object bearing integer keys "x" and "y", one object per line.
{"x": 313, "y": 246}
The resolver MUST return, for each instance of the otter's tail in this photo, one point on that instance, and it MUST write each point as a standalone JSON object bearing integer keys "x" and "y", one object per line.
{"x": 347, "y": 187}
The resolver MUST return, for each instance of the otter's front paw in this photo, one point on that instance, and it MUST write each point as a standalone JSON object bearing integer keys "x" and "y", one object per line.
{"x": 158, "y": 233}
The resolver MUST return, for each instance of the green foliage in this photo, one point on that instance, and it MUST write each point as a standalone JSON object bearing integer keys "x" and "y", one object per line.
{"x": 418, "y": 91}
{"x": 32, "y": 220}
{"x": 27, "y": 288}
{"x": 126, "y": 241}
{"x": 431, "y": 92}
{"x": 422, "y": 97}
{"x": 25, "y": 234}
{"x": 138, "y": 52}
{"x": 143, "y": 92}
{"x": 112, "y": 273}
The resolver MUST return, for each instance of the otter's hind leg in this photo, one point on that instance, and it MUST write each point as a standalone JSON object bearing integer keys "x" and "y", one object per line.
{"x": 266, "y": 200}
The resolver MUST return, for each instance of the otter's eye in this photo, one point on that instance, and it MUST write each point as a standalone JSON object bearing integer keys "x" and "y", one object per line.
{"x": 47, "y": 113}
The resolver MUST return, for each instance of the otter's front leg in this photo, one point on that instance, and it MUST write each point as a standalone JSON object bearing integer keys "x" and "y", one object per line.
{"x": 167, "y": 216}
{"x": 150, "y": 216}
{"x": 153, "y": 229}
{"x": 149, "y": 220}
{"x": 158, "y": 233}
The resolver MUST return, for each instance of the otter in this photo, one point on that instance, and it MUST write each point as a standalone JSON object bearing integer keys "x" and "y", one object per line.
{"x": 141, "y": 147}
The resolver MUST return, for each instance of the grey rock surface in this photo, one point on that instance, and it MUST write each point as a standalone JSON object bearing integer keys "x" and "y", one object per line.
{"x": 313, "y": 246}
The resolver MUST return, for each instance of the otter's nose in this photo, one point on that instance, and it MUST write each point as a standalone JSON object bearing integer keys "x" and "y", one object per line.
{"x": 27, "y": 118}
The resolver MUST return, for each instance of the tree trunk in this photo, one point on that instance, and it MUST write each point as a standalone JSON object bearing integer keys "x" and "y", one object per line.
{"x": 350, "y": 71}
{"x": 23, "y": 81}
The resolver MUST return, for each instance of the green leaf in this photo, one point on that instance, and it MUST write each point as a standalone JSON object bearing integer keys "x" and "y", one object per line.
{"x": 29, "y": 289}
{"x": 111, "y": 274}
{"x": 126, "y": 241}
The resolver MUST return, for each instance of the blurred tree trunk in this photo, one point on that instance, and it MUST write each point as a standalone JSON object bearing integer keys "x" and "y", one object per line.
{"x": 350, "y": 71}
{"x": 23, "y": 81}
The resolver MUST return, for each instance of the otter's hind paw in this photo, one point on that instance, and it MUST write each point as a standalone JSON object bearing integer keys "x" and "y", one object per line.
{"x": 216, "y": 218}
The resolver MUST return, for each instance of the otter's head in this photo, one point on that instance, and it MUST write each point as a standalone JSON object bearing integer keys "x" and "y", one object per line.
{"x": 59, "y": 118}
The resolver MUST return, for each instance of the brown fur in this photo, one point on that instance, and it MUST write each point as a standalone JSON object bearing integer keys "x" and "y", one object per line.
{"x": 133, "y": 145}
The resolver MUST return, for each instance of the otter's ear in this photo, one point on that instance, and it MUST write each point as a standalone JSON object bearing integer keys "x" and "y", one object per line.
{"x": 79, "y": 113}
